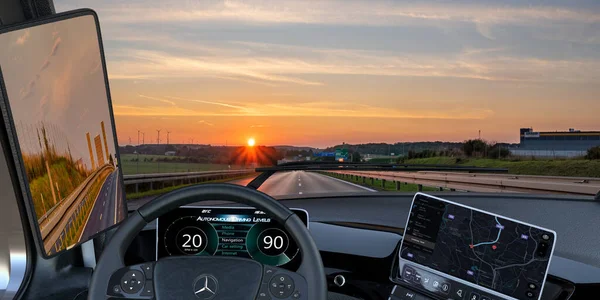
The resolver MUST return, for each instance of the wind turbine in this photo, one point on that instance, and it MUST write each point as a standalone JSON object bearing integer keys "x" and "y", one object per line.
{"x": 168, "y": 132}
{"x": 158, "y": 136}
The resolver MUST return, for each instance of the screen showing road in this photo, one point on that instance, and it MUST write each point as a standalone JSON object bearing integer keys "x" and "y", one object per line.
{"x": 493, "y": 252}
{"x": 55, "y": 83}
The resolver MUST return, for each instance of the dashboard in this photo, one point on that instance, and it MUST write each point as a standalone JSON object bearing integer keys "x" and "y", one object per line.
{"x": 226, "y": 231}
{"x": 359, "y": 237}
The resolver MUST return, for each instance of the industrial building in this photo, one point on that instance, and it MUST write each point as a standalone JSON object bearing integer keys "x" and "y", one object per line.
{"x": 570, "y": 143}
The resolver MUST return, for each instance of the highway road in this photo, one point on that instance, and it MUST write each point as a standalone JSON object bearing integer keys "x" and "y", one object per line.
{"x": 298, "y": 183}
{"x": 303, "y": 183}
{"x": 108, "y": 208}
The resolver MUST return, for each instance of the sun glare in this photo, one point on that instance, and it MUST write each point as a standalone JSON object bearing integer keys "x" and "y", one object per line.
{"x": 251, "y": 142}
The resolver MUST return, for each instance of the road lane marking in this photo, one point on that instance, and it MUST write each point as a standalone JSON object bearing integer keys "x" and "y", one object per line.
{"x": 104, "y": 202}
{"x": 300, "y": 193}
{"x": 350, "y": 183}
{"x": 100, "y": 216}
{"x": 299, "y": 184}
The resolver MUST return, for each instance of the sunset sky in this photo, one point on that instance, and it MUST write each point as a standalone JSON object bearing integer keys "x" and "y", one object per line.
{"x": 318, "y": 73}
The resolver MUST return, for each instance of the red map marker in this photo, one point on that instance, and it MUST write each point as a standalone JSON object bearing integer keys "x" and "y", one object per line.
{"x": 494, "y": 247}
{"x": 471, "y": 246}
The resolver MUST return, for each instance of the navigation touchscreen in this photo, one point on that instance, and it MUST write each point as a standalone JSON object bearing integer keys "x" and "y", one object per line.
{"x": 464, "y": 253}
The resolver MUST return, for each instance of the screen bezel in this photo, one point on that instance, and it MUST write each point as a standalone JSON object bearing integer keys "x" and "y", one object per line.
{"x": 13, "y": 141}
{"x": 399, "y": 258}
{"x": 294, "y": 210}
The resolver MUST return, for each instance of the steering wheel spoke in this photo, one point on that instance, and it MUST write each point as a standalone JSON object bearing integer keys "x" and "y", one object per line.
{"x": 278, "y": 283}
{"x": 132, "y": 282}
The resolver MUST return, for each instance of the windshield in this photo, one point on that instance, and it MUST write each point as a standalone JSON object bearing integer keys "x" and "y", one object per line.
{"x": 236, "y": 85}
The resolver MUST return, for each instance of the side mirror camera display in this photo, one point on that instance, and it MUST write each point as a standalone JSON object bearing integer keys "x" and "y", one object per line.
{"x": 62, "y": 128}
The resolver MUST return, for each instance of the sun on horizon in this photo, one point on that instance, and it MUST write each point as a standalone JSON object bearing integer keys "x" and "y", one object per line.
{"x": 251, "y": 142}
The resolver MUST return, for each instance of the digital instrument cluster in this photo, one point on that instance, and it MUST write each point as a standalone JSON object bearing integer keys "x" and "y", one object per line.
{"x": 223, "y": 231}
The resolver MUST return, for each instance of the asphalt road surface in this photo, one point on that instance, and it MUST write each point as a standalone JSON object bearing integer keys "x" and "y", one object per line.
{"x": 108, "y": 209}
{"x": 303, "y": 183}
{"x": 298, "y": 183}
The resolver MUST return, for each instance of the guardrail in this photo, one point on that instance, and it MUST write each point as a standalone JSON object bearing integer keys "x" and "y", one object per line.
{"x": 486, "y": 182}
{"x": 150, "y": 180}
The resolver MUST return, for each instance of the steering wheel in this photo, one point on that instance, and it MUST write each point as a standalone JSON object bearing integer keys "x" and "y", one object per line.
{"x": 207, "y": 277}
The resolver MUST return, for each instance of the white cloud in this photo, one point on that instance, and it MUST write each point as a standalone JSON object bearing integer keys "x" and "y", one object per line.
{"x": 23, "y": 38}
{"x": 158, "y": 99}
{"x": 206, "y": 123}
{"x": 373, "y": 13}
{"x": 294, "y": 64}
{"x": 297, "y": 109}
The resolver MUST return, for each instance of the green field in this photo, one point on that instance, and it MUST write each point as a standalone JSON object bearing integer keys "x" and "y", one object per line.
{"x": 130, "y": 166}
{"x": 548, "y": 167}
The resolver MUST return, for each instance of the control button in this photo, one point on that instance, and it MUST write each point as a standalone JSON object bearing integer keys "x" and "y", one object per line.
{"x": 268, "y": 273}
{"x": 485, "y": 298}
{"x": 148, "y": 270}
{"x": 403, "y": 293}
{"x": 116, "y": 289}
{"x": 263, "y": 296}
{"x": 281, "y": 286}
{"x": 263, "y": 293}
{"x": 436, "y": 284}
{"x": 445, "y": 288}
{"x": 474, "y": 296}
{"x": 532, "y": 286}
{"x": 339, "y": 280}
{"x": 530, "y": 294}
{"x": 296, "y": 295}
{"x": 148, "y": 289}
{"x": 426, "y": 281}
{"x": 132, "y": 282}
{"x": 417, "y": 278}
{"x": 459, "y": 293}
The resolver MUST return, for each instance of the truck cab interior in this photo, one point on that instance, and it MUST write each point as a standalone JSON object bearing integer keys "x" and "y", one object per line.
{"x": 315, "y": 230}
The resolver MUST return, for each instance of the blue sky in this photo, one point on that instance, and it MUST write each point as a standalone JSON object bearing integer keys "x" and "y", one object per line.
{"x": 436, "y": 70}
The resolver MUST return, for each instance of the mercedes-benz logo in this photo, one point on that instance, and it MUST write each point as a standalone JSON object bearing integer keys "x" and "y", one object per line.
{"x": 206, "y": 287}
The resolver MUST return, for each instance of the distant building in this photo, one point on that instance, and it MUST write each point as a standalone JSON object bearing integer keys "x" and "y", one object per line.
{"x": 570, "y": 143}
{"x": 170, "y": 153}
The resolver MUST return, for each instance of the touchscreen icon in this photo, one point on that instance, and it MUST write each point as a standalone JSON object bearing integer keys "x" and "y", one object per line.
{"x": 459, "y": 293}
{"x": 436, "y": 284}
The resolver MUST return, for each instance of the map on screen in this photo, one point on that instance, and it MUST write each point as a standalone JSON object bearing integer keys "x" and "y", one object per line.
{"x": 58, "y": 99}
{"x": 488, "y": 250}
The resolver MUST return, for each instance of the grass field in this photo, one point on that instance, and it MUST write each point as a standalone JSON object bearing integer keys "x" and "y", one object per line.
{"x": 389, "y": 185}
{"x": 554, "y": 167}
{"x": 130, "y": 166}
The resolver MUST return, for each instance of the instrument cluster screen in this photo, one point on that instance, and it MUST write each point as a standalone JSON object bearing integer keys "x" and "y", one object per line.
{"x": 239, "y": 232}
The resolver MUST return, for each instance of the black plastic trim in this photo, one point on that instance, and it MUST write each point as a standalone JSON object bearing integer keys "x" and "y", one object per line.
{"x": 224, "y": 191}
